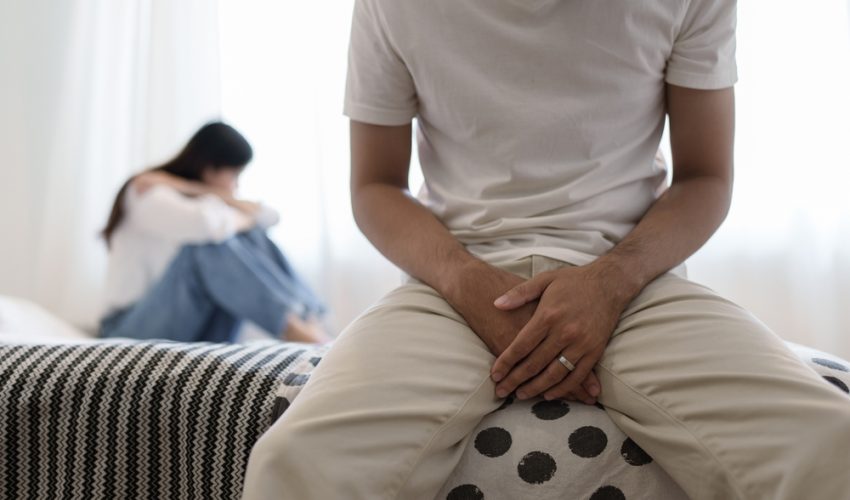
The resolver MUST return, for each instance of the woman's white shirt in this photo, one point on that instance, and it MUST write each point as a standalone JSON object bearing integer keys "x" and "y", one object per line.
{"x": 156, "y": 224}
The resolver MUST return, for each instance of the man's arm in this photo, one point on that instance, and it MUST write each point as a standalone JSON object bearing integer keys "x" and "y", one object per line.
{"x": 675, "y": 226}
{"x": 402, "y": 229}
{"x": 410, "y": 236}
{"x": 687, "y": 214}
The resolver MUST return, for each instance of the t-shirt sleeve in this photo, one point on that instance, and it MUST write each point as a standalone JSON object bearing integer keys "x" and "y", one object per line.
{"x": 703, "y": 55}
{"x": 379, "y": 88}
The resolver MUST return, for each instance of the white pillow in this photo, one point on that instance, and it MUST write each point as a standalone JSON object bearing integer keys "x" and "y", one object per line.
{"x": 24, "y": 321}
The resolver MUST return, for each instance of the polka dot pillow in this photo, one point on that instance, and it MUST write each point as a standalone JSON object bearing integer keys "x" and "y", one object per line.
{"x": 558, "y": 449}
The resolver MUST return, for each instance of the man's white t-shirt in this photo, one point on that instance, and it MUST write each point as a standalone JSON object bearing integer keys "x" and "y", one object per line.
{"x": 538, "y": 120}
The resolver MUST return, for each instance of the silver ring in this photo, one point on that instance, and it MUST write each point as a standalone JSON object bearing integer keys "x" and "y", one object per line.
{"x": 564, "y": 361}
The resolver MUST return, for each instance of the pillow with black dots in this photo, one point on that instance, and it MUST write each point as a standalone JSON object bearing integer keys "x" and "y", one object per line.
{"x": 513, "y": 453}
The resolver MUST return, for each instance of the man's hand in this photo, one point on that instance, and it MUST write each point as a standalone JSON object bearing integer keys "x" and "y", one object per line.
{"x": 579, "y": 307}
{"x": 473, "y": 295}
{"x": 410, "y": 236}
{"x": 577, "y": 312}
{"x": 473, "y": 298}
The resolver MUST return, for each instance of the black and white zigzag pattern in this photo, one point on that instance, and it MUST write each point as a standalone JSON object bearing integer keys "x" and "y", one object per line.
{"x": 131, "y": 419}
{"x": 166, "y": 420}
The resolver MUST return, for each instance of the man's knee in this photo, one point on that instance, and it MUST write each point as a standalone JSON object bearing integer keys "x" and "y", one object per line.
{"x": 814, "y": 466}
{"x": 268, "y": 452}
{"x": 275, "y": 463}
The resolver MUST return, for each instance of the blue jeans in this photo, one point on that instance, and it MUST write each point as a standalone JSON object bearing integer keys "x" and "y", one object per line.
{"x": 208, "y": 290}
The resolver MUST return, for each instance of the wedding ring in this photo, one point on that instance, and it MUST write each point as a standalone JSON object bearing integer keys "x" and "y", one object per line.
{"x": 564, "y": 361}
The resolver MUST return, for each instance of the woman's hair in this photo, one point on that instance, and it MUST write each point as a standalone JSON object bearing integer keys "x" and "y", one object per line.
{"x": 215, "y": 146}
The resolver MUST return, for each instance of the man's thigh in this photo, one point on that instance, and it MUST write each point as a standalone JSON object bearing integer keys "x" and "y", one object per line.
{"x": 389, "y": 408}
{"x": 399, "y": 350}
{"x": 716, "y": 397}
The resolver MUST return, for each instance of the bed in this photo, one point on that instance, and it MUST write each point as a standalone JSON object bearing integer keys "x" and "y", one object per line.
{"x": 111, "y": 419}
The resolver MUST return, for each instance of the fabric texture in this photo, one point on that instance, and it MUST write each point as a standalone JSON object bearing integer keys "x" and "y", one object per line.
{"x": 174, "y": 420}
{"x": 107, "y": 420}
{"x": 209, "y": 290}
{"x": 156, "y": 225}
{"x": 89, "y": 96}
{"x": 538, "y": 121}
{"x": 559, "y": 449}
{"x": 701, "y": 385}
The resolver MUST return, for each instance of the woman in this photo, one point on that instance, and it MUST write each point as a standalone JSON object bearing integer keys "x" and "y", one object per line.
{"x": 190, "y": 262}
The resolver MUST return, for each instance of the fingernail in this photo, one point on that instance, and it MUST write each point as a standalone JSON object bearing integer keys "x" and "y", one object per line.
{"x": 497, "y": 376}
{"x": 501, "y": 301}
{"x": 594, "y": 390}
{"x": 501, "y": 393}
{"x": 520, "y": 395}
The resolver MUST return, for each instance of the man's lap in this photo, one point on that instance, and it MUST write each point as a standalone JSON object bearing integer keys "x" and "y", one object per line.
{"x": 685, "y": 371}
{"x": 694, "y": 378}
{"x": 399, "y": 391}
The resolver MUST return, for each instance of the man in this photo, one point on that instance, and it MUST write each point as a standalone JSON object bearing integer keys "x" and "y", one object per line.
{"x": 545, "y": 256}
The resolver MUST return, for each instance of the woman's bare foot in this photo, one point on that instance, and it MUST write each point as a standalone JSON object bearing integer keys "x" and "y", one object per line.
{"x": 310, "y": 331}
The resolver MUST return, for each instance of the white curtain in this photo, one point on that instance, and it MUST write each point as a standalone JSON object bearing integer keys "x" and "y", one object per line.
{"x": 283, "y": 74}
{"x": 782, "y": 253}
{"x": 90, "y": 91}
{"x": 784, "y": 250}
{"x": 93, "y": 90}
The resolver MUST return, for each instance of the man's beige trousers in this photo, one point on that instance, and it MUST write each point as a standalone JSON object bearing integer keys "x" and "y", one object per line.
{"x": 703, "y": 386}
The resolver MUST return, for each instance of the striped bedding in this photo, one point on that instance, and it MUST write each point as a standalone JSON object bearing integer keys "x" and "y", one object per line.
{"x": 117, "y": 419}
{"x": 133, "y": 419}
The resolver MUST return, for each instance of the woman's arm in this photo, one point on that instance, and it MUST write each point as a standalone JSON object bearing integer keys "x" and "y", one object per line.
{"x": 262, "y": 214}
{"x": 148, "y": 179}
{"x": 163, "y": 212}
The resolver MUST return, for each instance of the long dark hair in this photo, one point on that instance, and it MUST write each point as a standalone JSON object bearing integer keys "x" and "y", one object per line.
{"x": 215, "y": 146}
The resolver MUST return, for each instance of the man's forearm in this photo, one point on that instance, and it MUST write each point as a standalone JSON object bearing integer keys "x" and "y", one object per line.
{"x": 674, "y": 227}
{"x": 410, "y": 236}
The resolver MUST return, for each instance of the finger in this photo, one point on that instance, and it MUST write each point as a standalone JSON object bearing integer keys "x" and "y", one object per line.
{"x": 526, "y": 340}
{"x": 570, "y": 397}
{"x": 533, "y": 389}
{"x": 583, "y": 396}
{"x": 529, "y": 367}
{"x": 549, "y": 377}
{"x": 524, "y": 293}
{"x": 591, "y": 384}
{"x": 572, "y": 382}
{"x": 551, "y": 373}
{"x": 580, "y": 393}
